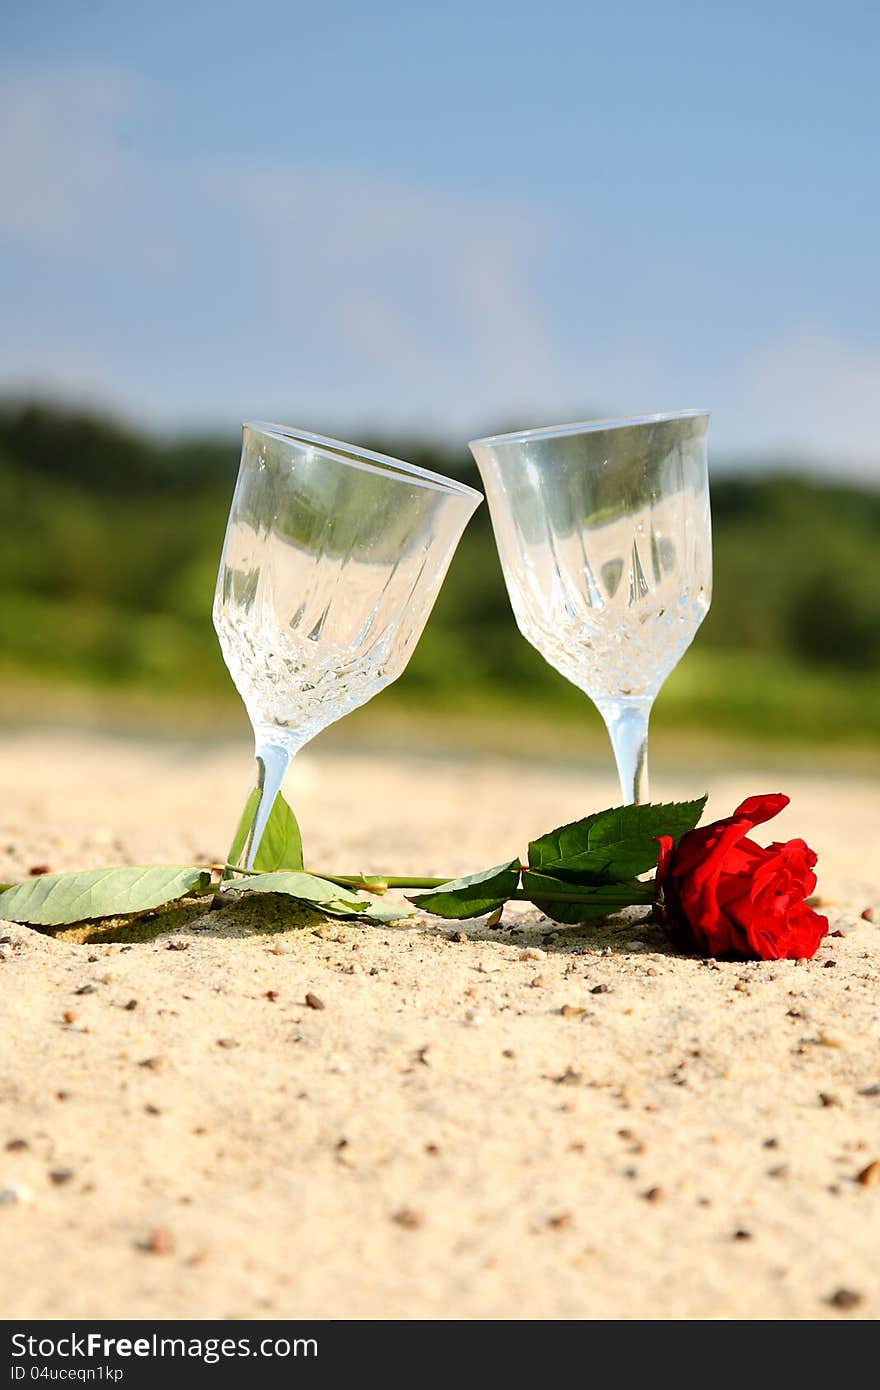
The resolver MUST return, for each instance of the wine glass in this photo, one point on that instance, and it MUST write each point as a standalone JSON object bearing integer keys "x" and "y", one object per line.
{"x": 332, "y": 561}
{"x": 604, "y": 536}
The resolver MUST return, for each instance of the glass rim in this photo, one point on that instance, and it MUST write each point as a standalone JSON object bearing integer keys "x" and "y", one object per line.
{"x": 588, "y": 427}
{"x": 366, "y": 459}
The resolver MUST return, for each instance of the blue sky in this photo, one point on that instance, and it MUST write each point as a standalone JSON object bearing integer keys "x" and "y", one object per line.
{"x": 449, "y": 219}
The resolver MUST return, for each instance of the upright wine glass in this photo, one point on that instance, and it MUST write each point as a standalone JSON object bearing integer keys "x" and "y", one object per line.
{"x": 332, "y": 561}
{"x": 605, "y": 541}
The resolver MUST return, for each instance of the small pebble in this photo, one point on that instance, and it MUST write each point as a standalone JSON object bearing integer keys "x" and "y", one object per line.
{"x": 869, "y": 915}
{"x": 15, "y": 1194}
{"x": 571, "y": 1011}
{"x": 827, "y": 1099}
{"x": 152, "y": 1063}
{"x": 177, "y": 946}
{"x": 459, "y": 936}
{"x": 68, "y": 1016}
{"x": 845, "y": 1298}
{"x": 38, "y": 870}
{"x": 314, "y": 1002}
{"x": 830, "y": 964}
{"x": 870, "y": 1176}
{"x": 532, "y": 953}
{"x": 780, "y": 1171}
{"x": 227, "y": 1042}
{"x": 600, "y": 989}
{"x": 59, "y": 1176}
{"x": 559, "y": 1223}
{"x": 742, "y": 1235}
{"x": 17, "y": 1146}
{"x": 653, "y": 1194}
{"x": 131, "y": 1005}
{"x": 86, "y": 989}
{"x": 271, "y": 995}
{"x": 159, "y": 1242}
{"x": 568, "y": 1078}
{"x": 407, "y": 1218}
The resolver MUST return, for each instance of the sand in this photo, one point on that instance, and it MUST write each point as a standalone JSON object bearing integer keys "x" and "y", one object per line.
{"x": 181, "y": 1135}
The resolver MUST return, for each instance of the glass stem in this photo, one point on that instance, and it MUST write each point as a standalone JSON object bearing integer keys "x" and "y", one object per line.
{"x": 273, "y": 761}
{"x": 627, "y": 725}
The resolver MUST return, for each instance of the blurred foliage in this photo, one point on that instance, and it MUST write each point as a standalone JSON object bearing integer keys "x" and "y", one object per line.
{"x": 110, "y": 543}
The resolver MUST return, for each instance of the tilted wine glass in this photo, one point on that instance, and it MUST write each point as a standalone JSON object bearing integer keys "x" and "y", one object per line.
{"x": 332, "y": 561}
{"x": 605, "y": 541}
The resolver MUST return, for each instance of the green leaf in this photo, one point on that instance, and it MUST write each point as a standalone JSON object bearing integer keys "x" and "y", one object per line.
{"x": 612, "y": 845}
{"x": 281, "y": 845}
{"x": 55, "y": 900}
{"x": 380, "y": 913}
{"x": 320, "y": 893}
{"x": 239, "y": 839}
{"x": 566, "y": 902}
{"x": 473, "y": 896}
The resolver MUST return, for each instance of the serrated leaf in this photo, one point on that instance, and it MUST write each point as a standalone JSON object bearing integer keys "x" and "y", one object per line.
{"x": 614, "y": 844}
{"x": 569, "y": 903}
{"x": 473, "y": 896}
{"x": 320, "y": 893}
{"x": 56, "y": 900}
{"x": 281, "y": 845}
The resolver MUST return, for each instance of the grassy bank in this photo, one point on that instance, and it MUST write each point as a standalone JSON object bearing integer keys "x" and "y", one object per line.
{"x": 109, "y": 550}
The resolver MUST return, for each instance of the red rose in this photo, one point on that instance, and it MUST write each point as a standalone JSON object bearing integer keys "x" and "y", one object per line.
{"x": 720, "y": 894}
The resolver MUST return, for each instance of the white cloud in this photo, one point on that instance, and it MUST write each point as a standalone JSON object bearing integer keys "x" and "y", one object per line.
{"x": 205, "y": 291}
{"x": 61, "y": 156}
{"x": 421, "y": 299}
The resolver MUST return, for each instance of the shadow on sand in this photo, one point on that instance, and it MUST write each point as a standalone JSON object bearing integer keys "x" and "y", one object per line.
{"x": 274, "y": 915}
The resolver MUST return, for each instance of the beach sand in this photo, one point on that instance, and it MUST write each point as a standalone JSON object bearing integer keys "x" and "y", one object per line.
{"x": 181, "y": 1135}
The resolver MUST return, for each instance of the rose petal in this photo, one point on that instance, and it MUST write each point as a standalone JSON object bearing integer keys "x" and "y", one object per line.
{"x": 757, "y": 809}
